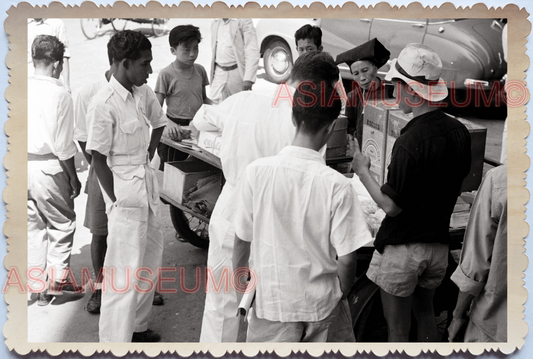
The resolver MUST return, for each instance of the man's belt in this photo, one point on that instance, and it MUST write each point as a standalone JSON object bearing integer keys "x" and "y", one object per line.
{"x": 227, "y": 68}
{"x": 128, "y": 160}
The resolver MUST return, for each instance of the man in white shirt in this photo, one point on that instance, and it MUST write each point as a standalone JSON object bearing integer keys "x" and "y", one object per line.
{"x": 235, "y": 57}
{"x": 301, "y": 215}
{"x": 52, "y": 180}
{"x": 253, "y": 126}
{"x": 54, "y": 27}
{"x": 95, "y": 211}
{"x": 121, "y": 145}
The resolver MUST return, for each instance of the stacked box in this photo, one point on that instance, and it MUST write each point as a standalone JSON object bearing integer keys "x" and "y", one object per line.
{"x": 210, "y": 141}
{"x": 336, "y": 146}
{"x": 396, "y": 121}
{"x": 180, "y": 176}
{"x": 375, "y": 120}
{"x": 478, "y": 135}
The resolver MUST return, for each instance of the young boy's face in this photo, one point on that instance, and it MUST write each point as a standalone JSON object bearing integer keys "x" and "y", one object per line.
{"x": 304, "y": 45}
{"x": 186, "y": 53}
{"x": 139, "y": 70}
{"x": 402, "y": 97}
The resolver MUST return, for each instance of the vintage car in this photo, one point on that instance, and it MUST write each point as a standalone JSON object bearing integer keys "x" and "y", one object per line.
{"x": 470, "y": 49}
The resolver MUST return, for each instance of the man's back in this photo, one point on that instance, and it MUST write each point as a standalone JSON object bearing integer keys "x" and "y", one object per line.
{"x": 252, "y": 127}
{"x": 300, "y": 214}
{"x": 429, "y": 162}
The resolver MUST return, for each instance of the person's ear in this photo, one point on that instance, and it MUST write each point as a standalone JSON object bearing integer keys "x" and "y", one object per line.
{"x": 173, "y": 51}
{"x": 331, "y": 127}
{"x": 125, "y": 63}
{"x": 294, "y": 122}
{"x": 56, "y": 65}
{"x": 320, "y": 48}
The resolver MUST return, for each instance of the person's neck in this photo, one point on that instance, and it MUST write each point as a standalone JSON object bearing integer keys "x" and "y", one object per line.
{"x": 123, "y": 80}
{"x": 181, "y": 66}
{"x": 45, "y": 71}
{"x": 312, "y": 142}
{"x": 423, "y": 109}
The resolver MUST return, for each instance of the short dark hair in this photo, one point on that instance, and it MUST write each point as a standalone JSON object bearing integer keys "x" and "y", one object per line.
{"x": 47, "y": 49}
{"x": 127, "y": 44}
{"x": 315, "y": 106}
{"x": 183, "y": 34}
{"x": 309, "y": 32}
{"x": 315, "y": 66}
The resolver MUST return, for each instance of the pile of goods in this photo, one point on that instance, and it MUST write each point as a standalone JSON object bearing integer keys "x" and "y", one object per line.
{"x": 373, "y": 214}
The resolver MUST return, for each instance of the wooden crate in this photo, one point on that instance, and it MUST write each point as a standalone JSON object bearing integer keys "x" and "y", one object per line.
{"x": 180, "y": 176}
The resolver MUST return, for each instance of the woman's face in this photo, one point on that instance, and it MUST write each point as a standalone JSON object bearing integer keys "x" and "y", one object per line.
{"x": 364, "y": 72}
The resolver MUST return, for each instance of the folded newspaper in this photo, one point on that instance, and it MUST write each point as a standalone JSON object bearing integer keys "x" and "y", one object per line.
{"x": 247, "y": 300}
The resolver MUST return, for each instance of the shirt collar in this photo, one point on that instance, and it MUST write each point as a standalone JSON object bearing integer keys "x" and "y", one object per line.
{"x": 119, "y": 89}
{"x": 303, "y": 153}
{"x": 49, "y": 79}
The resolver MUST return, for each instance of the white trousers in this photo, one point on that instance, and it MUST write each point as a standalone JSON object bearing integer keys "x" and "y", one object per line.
{"x": 225, "y": 84}
{"x": 220, "y": 322}
{"x": 51, "y": 222}
{"x": 133, "y": 257}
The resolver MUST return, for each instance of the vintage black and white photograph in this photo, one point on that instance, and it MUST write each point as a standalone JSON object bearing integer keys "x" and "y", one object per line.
{"x": 268, "y": 180}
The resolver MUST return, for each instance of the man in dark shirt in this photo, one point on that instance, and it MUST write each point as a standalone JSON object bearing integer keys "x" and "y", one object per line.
{"x": 429, "y": 161}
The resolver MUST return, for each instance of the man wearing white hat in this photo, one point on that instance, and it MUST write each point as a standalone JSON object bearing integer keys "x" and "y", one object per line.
{"x": 429, "y": 161}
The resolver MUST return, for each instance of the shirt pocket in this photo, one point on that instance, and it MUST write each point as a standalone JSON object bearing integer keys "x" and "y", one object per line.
{"x": 130, "y": 191}
{"x": 130, "y": 126}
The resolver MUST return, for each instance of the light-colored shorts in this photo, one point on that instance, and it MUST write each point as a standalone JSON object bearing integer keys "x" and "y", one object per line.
{"x": 336, "y": 327}
{"x": 404, "y": 266}
{"x": 95, "y": 216}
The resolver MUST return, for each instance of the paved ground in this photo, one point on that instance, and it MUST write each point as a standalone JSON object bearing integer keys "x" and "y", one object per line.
{"x": 179, "y": 320}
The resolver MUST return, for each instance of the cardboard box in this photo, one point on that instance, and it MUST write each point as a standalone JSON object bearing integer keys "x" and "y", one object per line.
{"x": 478, "y": 137}
{"x": 396, "y": 121}
{"x": 180, "y": 176}
{"x": 336, "y": 146}
{"x": 375, "y": 120}
{"x": 210, "y": 141}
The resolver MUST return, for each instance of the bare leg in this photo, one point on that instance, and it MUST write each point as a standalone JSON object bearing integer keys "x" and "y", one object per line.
{"x": 98, "y": 250}
{"x": 425, "y": 315}
{"x": 397, "y": 312}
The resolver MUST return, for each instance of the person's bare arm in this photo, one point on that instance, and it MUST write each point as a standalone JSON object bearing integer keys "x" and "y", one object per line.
{"x": 361, "y": 166}
{"x": 87, "y": 156}
{"x": 154, "y": 141}
{"x": 206, "y": 100}
{"x": 69, "y": 168}
{"x": 104, "y": 174}
{"x": 460, "y": 318}
{"x": 160, "y": 98}
{"x": 346, "y": 269}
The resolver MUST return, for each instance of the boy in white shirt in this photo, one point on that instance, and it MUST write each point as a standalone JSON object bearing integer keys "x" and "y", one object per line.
{"x": 300, "y": 216}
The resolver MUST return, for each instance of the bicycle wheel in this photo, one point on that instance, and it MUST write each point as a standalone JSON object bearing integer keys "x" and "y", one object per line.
{"x": 118, "y": 24}
{"x": 190, "y": 228}
{"x": 159, "y": 26}
{"x": 90, "y": 27}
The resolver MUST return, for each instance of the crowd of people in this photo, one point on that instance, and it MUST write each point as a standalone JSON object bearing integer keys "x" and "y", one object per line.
{"x": 285, "y": 215}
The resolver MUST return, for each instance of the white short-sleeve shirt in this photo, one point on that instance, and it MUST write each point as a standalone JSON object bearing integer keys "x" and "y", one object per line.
{"x": 115, "y": 116}
{"x": 298, "y": 215}
{"x": 50, "y": 118}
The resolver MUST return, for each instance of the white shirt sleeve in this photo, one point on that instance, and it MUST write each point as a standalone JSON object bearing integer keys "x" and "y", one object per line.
{"x": 349, "y": 230}
{"x": 99, "y": 128}
{"x": 243, "y": 217}
{"x": 65, "y": 147}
